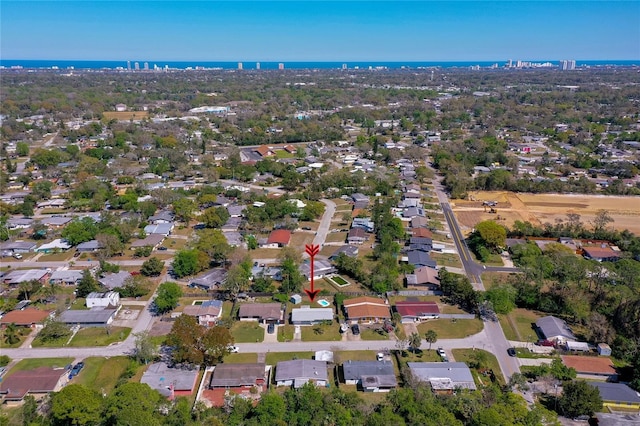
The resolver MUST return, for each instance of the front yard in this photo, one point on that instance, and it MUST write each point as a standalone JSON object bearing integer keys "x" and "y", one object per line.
{"x": 451, "y": 328}
{"x": 247, "y": 332}
{"x": 518, "y": 325}
{"x": 321, "y": 332}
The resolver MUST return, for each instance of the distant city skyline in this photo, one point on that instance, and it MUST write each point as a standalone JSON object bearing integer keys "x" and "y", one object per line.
{"x": 284, "y": 31}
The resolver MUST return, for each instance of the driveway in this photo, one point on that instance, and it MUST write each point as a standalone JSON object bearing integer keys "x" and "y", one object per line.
{"x": 410, "y": 328}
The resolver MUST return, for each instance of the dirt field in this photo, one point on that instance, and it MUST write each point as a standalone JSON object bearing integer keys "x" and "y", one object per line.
{"x": 547, "y": 208}
{"x": 125, "y": 115}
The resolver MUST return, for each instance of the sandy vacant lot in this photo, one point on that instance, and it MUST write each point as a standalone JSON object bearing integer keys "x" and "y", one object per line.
{"x": 547, "y": 208}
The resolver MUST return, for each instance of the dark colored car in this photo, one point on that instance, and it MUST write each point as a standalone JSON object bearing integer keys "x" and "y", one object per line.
{"x": 511, "y": 351}
{"x": 76, "y": 370}
{"x": 271, "y": 328}
{"x": 545, "y": 343}
{"x": 162, "y": 248}
{"x": 355, "y": 329}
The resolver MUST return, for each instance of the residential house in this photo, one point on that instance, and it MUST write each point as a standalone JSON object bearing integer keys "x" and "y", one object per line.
{"x": 357, "y": 236}
{"x": 321, "y": 268}
{"x": 37, "y": 382}
{"x": 359, "y": 198}
{"x": 96, "y": 317}
{"x": 54, "y": 246}
{"x": 206, "y": 313}
{"x": 370, "y": 376}
{"x": 444, "y": 377}
{"x": 170, "y": 382}
{"x": 555, "y": 330}
{"x": 114, "y": 280}
{"x": 151, "y": 240}
{"x": 424, "y": 276}
{"x": 28, "y": 317}
{"x": 601, "y": 254}
{"x": 277, "y": 238}
{"x": 67, "y": 277}
{"x": 18, "y": 246}
{"x": 229, "y": 376}
{"x": 160, "y": 228}
{"x": 419, "y": 221}
{"x": 210, "y": 280}
{"x": 411, "y": 212}
{"x": 234, "y": 238}
{"x": 617, "y": 396}
{"x": 348, "y": 250}
{"x": 417, "y": 311}
{"x": 17, "y": 276}
{"x": 14, "y": 223}
{"x": 305, "y": 315}
{"x": 591, "y": 367}
{"x": 420, "y": 258}
{"x": 366, "y": 309}
{"x": 232, "y": 224}
{"x": 262, "y": 312}
{"x": 89, "y": 246}
{"x": 364, "y": 223}
{"x": 236, "y": 210}
{"x": 264, "y": 151}
{"x": 55, "y": 222}
{"x": 103, "y": 300}
{"x": 163, "y": 216}
{"x": 298, "y": 372}
{"x": 421, "y": 233}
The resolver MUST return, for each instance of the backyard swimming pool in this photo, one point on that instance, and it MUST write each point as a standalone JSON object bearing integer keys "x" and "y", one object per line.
{"x": 323, "y": 303}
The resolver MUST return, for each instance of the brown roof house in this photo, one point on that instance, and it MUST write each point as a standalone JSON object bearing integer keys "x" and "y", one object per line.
{"x": 591, "y": 367}
{"x": 277, "y": 238}
{"x": 262, "y": 312}
{"x": 37, "y": 382}
{"x": 417, "y": 311}
{"x": 601, "y": 254}
{"x": 28, "y": 317}
{"x": 366, "y": 309}
{"x": 246, "y": 380}
{"x": 424, "y": 276}
{"x": 206, "y": 313}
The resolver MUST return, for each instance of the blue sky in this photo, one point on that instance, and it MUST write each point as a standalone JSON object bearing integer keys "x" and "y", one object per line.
{"x": 319, "y": 30}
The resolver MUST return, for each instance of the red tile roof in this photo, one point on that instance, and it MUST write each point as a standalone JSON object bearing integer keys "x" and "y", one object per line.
{"x": 279, "y": 236}
{"x": 416, "y": 309}
{"x": 600, "y": 252}
{"x": 264, "y": 151}
{"x": 589, "y": 364}
{"x": 422, "y": 233}
{"x": 38, "y": 380}
{"x": 26, "y": 317}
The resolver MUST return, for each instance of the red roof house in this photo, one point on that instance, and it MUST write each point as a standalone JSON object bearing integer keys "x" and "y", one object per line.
{"x": 417, "y": 311}
{"x": 279, "y": 238}
{"x": 27, "y": 317}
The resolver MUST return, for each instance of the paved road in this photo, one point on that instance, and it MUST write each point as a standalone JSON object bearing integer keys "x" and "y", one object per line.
{"x": 325, "y": 222}
{"x": 79, "y": 263}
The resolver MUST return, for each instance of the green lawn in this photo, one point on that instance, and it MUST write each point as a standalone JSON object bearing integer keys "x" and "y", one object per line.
{"x": 451, "y": 328}
{"x": 285, "y": 333}
{"x": 373, "y": 334}
{"x": 317, "y": 333}
{"x": 342, "y": 356}
{"x": 446, "y": 259}
{"x": 99, "y": 336}
{"x": 240, "y": 358}
{"x": 518, "y": 325}
{"x": 30, "y": 364}
{"x": 423, "y": 355}
{"x": 23, "y": 333}
{"x": 56, "y": 257}
{"x": 247, "y": 332}
{"x": 275, "y": 357}
{"x": 101, "y": 374}
{"x": 336, "y": 237}
{"x": 467, "y": 355}
{"x": 79, "y": 304}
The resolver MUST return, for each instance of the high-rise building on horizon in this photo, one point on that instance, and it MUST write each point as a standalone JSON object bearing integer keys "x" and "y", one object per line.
{"x": 128, "y": 65}
{"x": 257, "y": 65}
{"x": 344, "y": 66}
{"x": 146, "y": 66}
{"x": 136, "y": 66}
{"x": 567, "y": 65}
{"x": 280, "y": 66}
{"x": 240, "y": 65}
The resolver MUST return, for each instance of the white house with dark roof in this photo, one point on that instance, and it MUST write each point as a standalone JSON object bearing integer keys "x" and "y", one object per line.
{"x": 298, "y": 372}
{"x": 115, "y": 280}
{"x": 68, "y": 277}
{"x": 370, "y": 376}
{"x": 444, "y": 377}
{"x": 555, "y": 330}
{"x": 306, "y": 315}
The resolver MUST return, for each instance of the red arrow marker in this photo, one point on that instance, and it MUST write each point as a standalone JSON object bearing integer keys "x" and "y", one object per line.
{"x": 312, "y": 250}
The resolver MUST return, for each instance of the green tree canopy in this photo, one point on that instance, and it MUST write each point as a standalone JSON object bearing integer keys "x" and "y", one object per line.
{"x": 77, "y": 405}
{"x": 168, "y": 295}
{"x": 579, "y": 398}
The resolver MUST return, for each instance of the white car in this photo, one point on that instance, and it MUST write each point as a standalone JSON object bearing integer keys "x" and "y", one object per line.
{"x": 233, "y": 349}
{"x": 441, "y": 352}
{"x": 17, "y": 255}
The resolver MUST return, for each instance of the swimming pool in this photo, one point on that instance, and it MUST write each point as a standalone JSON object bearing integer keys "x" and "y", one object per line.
{"x": 323, "y": 303}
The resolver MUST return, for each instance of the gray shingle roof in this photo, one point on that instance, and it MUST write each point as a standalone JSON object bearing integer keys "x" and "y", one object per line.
{"x": 457, "y": 372}
{"x": 301, "y": 369}
{"x": 618, "y": 392}
{"x": 372, "y": 373}
{"x": 552, "y": 327}
{"x": 91, "y": 316}
{"x": 234, "y": 375}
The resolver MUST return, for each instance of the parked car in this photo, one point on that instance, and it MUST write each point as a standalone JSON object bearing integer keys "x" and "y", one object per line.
{"x": 343, "y": 327}
{"x": 441, "y": 352}
{"x": 233, "y": 349}
{"x": 75, "y": 370}
{"x": 271, "y": 328}
{"x": 355, "y": 329}
{"x": 17, "y": 255}
{"x": 545, "y": 343}
{"x": 162, "y": 248}
{"x": 511, "y": 351}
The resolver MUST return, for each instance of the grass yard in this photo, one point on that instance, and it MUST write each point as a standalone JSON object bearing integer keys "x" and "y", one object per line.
{"x": 101, "y": 374}
{"x": 423, "y": 355}
{"x": 56, "y": 257}
{"x": 318, "y": 333}
{"x": 23, "y": 333}
{"x": 299, "y": 239}
{"x": 446, "y": 259}
{"x": 30, "y": 364}
{"x": 343, "y": 356}
{"x": 285, "y": 333}
{"x": 79, "y": 304}
{"x": 336, "y": 237}
{"x": 373, "y": 334}
{"x": 99, "y": 336}
{"x": 451, "y": 328}
{"x": 467, "y": 355}
{"x": 247, "y": 332}
{"x": 489, "y": 279}
{"x": 517, "y": 325}
{"x": 241, "y": 358}
{"x": 273, "y": 358}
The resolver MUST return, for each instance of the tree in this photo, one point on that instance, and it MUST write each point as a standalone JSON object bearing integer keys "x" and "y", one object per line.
{"x": 183, "y": 209}
{"x": 168, "y": 295}
{"x": 492, "y": 234}
{"x": 135, "y": 286}
{"x": 54, "y": 330}
{"x": 76, "y": 405}
{"x": 144, "y": 350}
{"x": 80, "y": 231}
{"x": 22, "y": 149}
{"x": 133, "y": 404}
{"x": 238, "y": 278}
{"x": 11, "y": 334}
{"x": 415, "y": 341}
{"x": 195, "y": 344}
{"x": 431, "y": 337}
{"x": 214, "y": 244}
{"x": 214, "y": 217}
{"x": 152, "y": 267}
{"x": 292, "y": 279}
{"x": 186, "y": 263}
{"x": 88, "y": 284}
{"x": 111, "y": 245}
{"x": 502, "y": 297}
{"x": 579, "y": 399}
{"x": 600, "y": 222}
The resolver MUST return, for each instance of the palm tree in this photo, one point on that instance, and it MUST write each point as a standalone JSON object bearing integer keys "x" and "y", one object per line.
{"x": 11, "y": 334}
{"x": 415, "y": 341}
{"x": 431, "y": 336}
